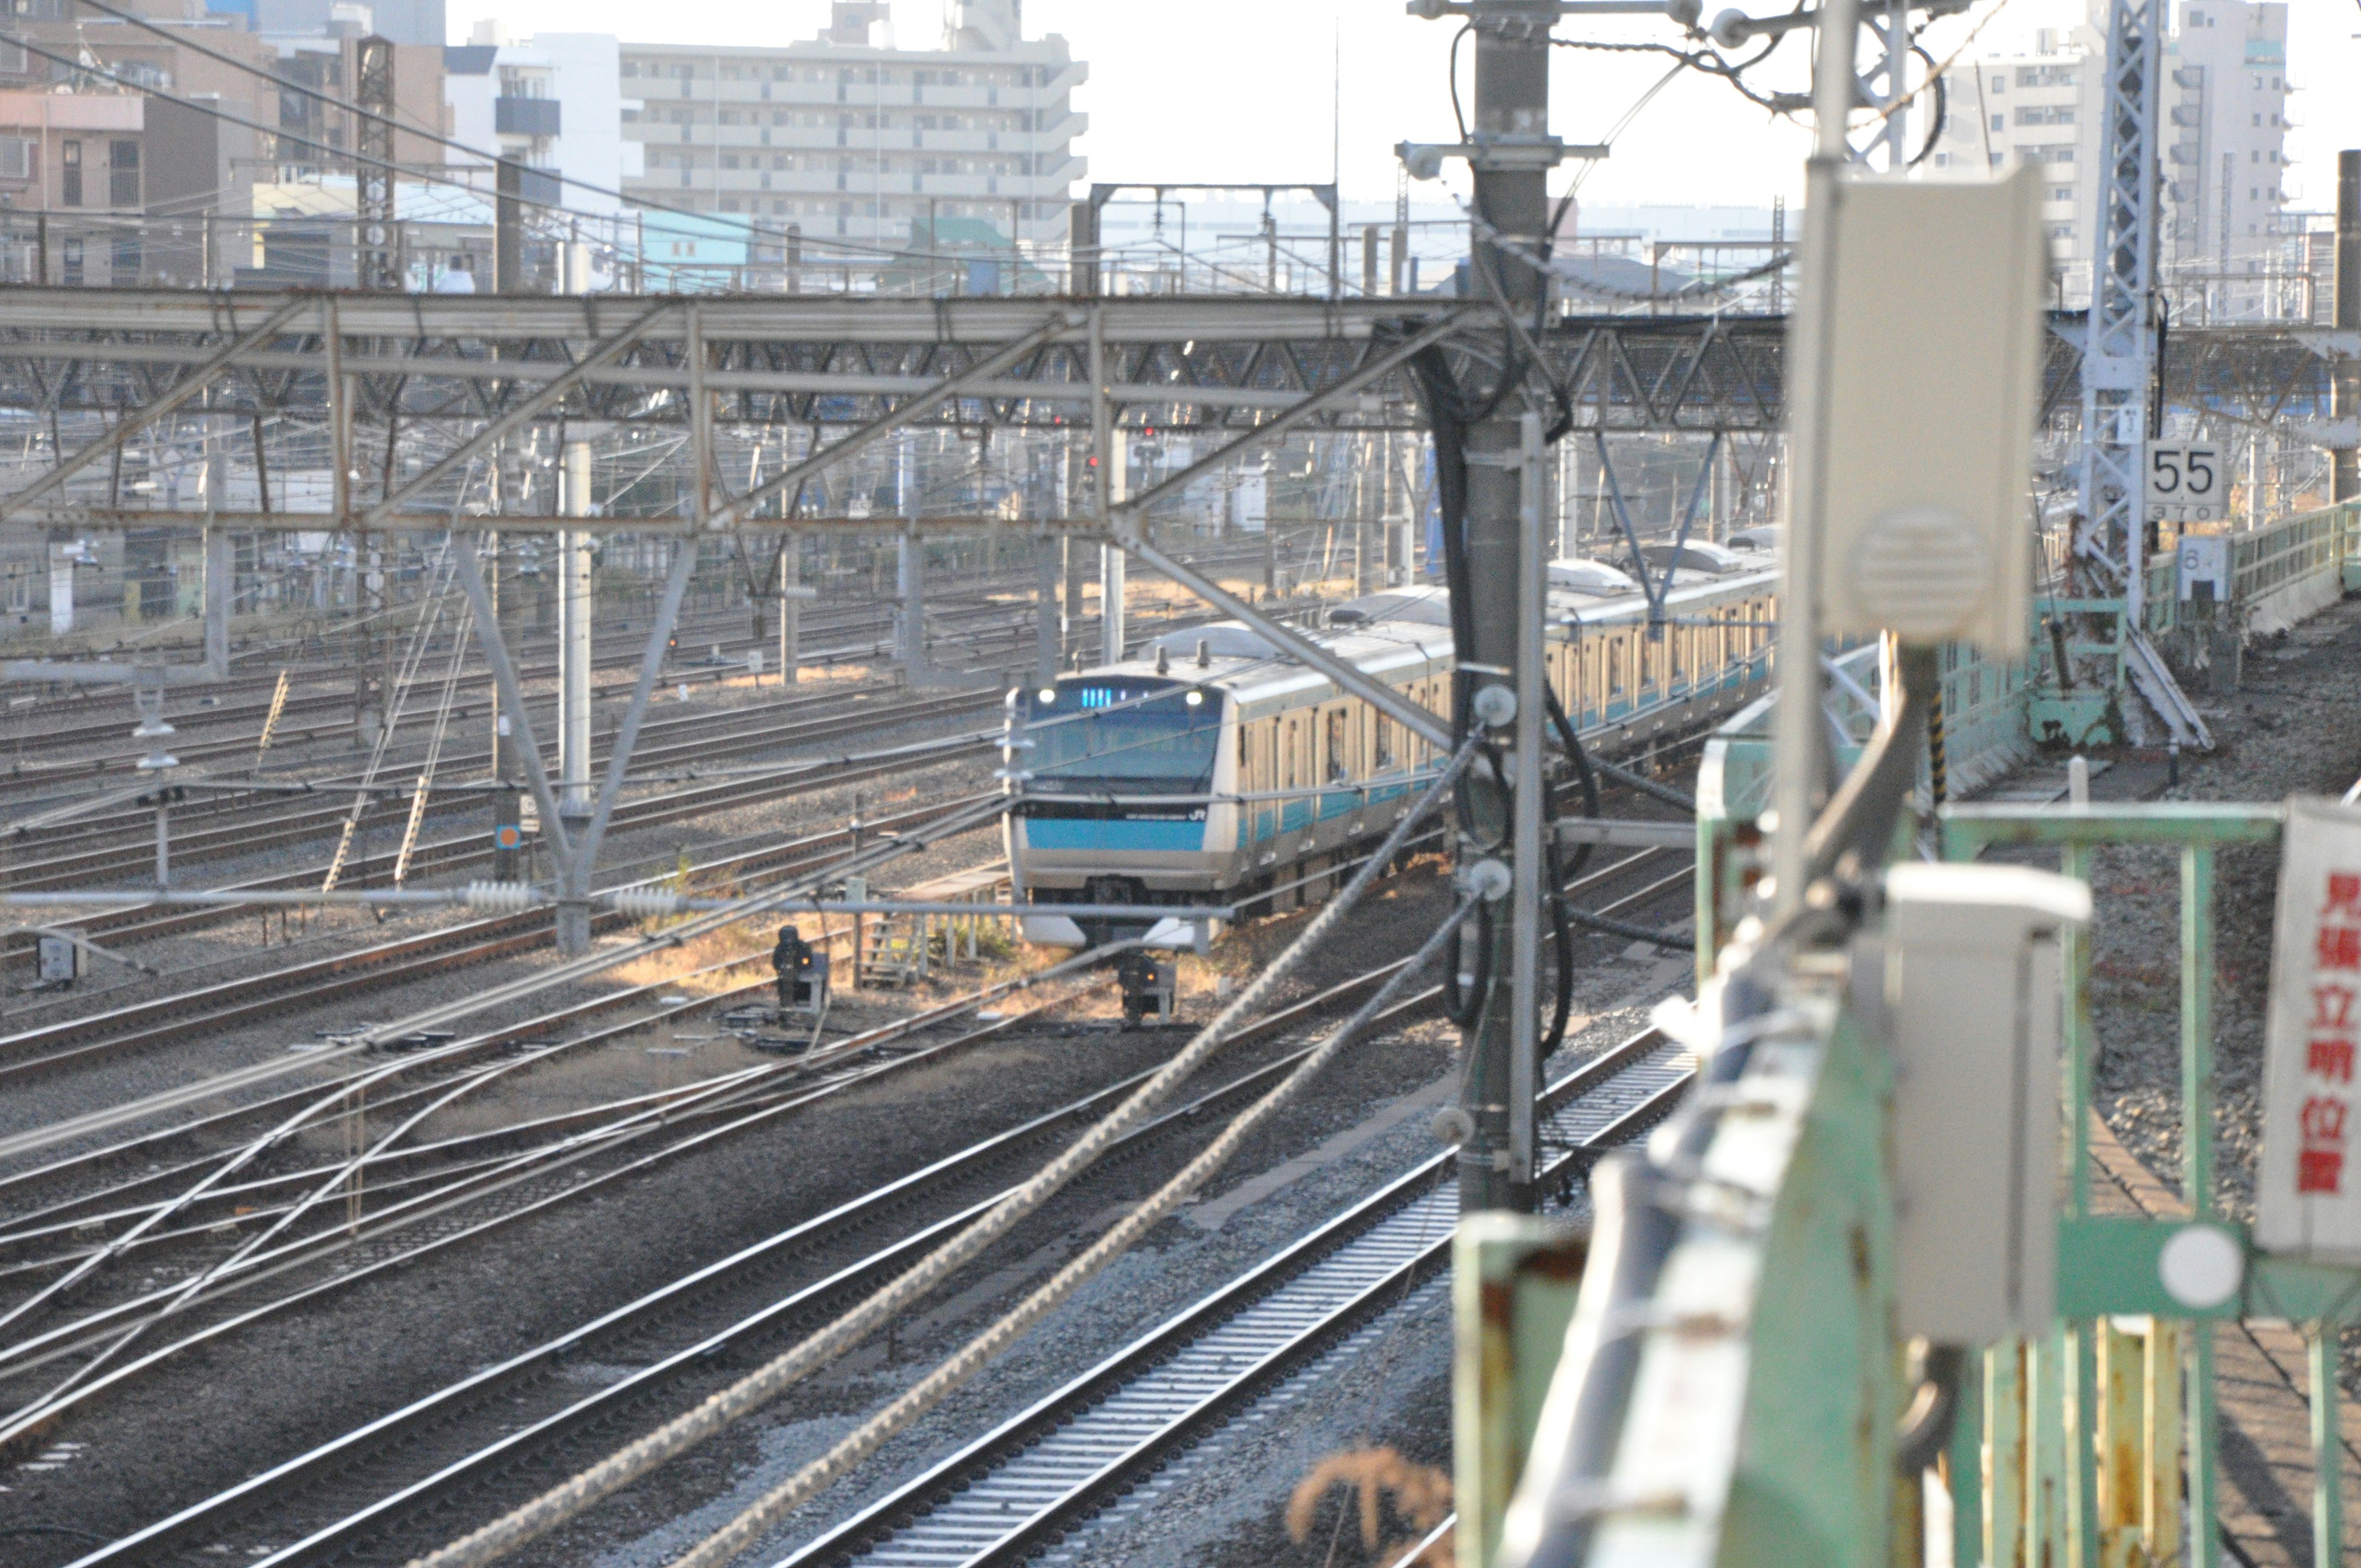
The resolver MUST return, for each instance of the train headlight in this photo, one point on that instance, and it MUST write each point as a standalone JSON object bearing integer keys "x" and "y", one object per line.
{"x": 1048, "y": 693}
{"x": 1194, "y": 699}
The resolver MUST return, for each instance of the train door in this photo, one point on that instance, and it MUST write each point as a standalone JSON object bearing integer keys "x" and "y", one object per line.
{"x": 1249, "y": 812}
{"x": 1294, "y": 810}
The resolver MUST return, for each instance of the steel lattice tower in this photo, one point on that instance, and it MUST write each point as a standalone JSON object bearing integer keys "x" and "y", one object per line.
{"x": 2118, "y": 356}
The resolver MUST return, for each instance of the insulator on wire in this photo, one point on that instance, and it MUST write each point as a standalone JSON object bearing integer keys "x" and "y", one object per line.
{"x": 645, "y": 903}
{"x": 499, "y": 898}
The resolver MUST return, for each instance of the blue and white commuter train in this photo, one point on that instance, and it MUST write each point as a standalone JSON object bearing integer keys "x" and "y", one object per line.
{"x": 1213, "y": 770}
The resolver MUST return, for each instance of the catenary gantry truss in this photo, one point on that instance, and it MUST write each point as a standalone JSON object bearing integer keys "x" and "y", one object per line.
{"x": 392, "y": 395}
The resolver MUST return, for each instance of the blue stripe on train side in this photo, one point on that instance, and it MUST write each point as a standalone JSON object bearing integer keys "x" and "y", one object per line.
{"x": 1108, "y": 833}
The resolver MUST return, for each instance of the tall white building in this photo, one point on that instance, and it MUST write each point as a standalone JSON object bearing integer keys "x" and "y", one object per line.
{"x": 551, "y": 103}
{"x": 849, "y": 136}
{"x": 2224, "y": 136}
{"x": 2039, "y": 106}
{"x": 2225, "y": 92}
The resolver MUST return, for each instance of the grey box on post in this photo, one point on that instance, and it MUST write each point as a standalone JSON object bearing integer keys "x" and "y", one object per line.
{"x": 1974, "y": 992}
{"x": 59, "y": 961}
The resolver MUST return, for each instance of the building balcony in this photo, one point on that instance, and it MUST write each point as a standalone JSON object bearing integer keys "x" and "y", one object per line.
{"x": 525, "y": 116}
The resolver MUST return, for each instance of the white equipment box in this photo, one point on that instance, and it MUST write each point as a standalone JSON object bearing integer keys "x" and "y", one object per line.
{"x": 1934, "y": 385}
{"x": 1974, "y": 992}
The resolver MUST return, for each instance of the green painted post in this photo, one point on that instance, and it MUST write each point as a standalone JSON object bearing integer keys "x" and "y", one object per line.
{"x": 2196, "y": 1028}
{"x": 2074, "y": 860}
{"x": 1965, "y": 1460}
{"x": 2197, "y": 1179}
{"x": 2083, "y": 1458}
{"x": 2004, "y": 1482}
{"x": 2045, "y": 1427}
{"x": 2327, "y": 1449}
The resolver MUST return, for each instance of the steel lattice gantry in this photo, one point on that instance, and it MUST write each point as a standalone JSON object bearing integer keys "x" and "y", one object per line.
{"x": 420, "y": 376}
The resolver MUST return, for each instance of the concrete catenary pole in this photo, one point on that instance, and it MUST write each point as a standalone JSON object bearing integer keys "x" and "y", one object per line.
{"x": 574, "y": 640}
{"x": 2345, "y": 385}
{"x": 1512, "y": 101}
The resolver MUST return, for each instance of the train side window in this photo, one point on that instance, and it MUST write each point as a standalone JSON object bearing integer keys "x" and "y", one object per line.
{"x": 1339, "y": 763}
{"x": 1614, "y": 666}
{"x": 1384, "y": 755}
{"x": 1288, "y": 780}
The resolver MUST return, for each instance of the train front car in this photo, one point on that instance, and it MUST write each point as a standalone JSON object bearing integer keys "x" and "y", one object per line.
{"x": 1117, "y": 777}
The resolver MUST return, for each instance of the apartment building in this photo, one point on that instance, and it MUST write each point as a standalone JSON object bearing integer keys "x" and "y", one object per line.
{"x": 848, "y": 136}
{"x": 2225, "y": 168}
{"x": 550, "y": 103}
{"x": 2039, "y": 106}
{"x": 2223, "y": 135}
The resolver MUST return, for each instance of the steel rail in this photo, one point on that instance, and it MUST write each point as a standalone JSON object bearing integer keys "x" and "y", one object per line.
{"x": 371, "y": 1037}
{"x": 145, "y": 1024}
{"x": 735, "y": 1094}
{"x": 405, "y": 1426}
{"x": 1009, "y": 1492}
{"x": 301, "y": 823}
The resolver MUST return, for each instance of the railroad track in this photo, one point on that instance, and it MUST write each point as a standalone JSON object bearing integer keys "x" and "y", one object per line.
{"x": 383, "y": 1476}
{"x": 974, "y": 623}
{"x": 607, "y": 652}
{"x": 1019, "y": 1488}
{"x": 142, "y": 1026}
{"x": 683, "y": 743}
{"x": 446, "y": 1473}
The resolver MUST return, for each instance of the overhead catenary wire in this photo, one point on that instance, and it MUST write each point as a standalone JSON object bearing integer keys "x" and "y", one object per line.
{"x": 563, "y": 1502}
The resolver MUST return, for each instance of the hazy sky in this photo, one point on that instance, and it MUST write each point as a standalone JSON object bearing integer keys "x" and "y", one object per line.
{"x": 1242, "y": 89}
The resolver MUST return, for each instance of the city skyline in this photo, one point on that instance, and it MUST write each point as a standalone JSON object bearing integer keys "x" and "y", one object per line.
{"x": 1696, "y": 140}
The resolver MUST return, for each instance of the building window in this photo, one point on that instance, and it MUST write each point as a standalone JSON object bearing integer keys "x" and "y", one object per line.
{"x": 70, "y": 189}
{"x": 73, "y": 261}
{"x": 2000, "y": 122}
{"x": 124, "y": 173}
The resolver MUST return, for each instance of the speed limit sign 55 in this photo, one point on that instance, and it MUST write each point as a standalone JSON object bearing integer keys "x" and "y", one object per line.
{"x": 2184, "y": 482}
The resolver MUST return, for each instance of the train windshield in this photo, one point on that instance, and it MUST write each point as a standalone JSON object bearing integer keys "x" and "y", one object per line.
{"x": 1134, "y": 738}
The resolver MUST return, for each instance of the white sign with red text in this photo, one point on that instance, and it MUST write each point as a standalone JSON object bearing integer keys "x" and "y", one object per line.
{"x": 2308, "y": 1188}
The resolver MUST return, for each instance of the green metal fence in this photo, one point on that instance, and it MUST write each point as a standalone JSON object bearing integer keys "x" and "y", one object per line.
{"x": 2095, "y": 1444}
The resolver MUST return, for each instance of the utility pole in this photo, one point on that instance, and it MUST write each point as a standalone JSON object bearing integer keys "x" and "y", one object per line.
{"x": 1107, "y": 460}
{"x": 508, "y": 831}
{"x": 792, "y": 594}
{"x": 508, "y": 226}
{"x": 910, "y": 565}
{"x": 1511, "y": 126}
{"x": 2344, "y": 374}
{"x": 380, "y": 260}
{"x": 573, "y": 599}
